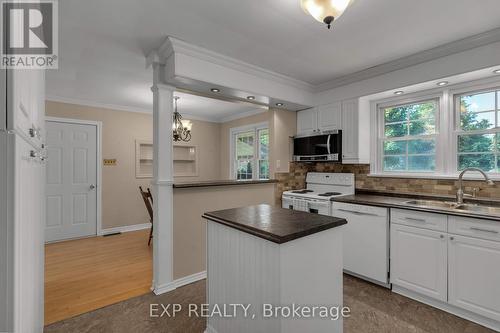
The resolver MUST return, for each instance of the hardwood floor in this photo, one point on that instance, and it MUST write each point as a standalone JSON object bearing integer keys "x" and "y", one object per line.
{"x": 88, "y": 274}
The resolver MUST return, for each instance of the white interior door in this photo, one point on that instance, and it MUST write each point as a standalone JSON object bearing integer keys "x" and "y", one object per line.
{"x": 71, "y": 194}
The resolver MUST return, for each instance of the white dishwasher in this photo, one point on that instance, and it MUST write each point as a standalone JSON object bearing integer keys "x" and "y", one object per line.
{"x": 366, "y": 241}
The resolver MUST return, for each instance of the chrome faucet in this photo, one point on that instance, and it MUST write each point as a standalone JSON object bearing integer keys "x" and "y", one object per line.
{"x": 460, "y": 191}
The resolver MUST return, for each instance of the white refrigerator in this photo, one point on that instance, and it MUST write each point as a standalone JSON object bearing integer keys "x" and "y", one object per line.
{"x": 22, "y": 207}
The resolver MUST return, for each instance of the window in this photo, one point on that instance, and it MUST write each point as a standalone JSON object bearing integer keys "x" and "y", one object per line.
{"x": 250, "y": 152}
{"x": 408, "y": 137}
{"x": 478, "y": 130}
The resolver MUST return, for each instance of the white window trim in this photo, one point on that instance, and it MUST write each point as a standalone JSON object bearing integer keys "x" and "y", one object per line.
{"x": 447, "y": 136}
{"x": 232, "y": 133}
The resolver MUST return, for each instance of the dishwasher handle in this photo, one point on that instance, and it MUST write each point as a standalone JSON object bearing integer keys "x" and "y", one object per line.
{"x": 354, "y": 212}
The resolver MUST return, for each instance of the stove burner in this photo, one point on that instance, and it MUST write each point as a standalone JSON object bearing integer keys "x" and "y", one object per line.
{"x": 329, "y": 194}
{"x": 302, "y": 191}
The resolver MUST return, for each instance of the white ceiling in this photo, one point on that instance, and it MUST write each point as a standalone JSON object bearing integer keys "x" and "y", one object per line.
{"x": 103, "y": 43}
{"x": 203, "y": 108}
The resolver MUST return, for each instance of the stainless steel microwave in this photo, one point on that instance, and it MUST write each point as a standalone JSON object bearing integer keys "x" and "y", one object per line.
{"x": 320, "y": 147}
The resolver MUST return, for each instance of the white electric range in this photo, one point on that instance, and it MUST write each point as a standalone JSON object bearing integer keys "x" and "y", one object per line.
{"x": 320, "y": 188}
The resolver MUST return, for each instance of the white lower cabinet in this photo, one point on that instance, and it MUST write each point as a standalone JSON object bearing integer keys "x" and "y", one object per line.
{"x": 418, "y": 260}
{"x": 474, "y": 275}
{"x": 457, "y": 263}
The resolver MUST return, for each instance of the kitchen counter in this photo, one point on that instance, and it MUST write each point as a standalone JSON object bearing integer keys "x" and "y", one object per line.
{"x": 226, "y": 182}
{"x": 397, "y": 200}
{"x": 274, "y": 223}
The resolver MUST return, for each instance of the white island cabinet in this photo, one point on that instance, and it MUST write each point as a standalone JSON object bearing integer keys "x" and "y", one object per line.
{"x": 270, "y": 260}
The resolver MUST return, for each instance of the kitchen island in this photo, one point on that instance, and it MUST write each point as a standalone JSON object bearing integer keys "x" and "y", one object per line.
{"x": 265, "y": 261}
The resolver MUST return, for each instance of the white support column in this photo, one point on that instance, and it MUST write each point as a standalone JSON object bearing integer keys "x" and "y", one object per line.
{"x": 162, "y": 184}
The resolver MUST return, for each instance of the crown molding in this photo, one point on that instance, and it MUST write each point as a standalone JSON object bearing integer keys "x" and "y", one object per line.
{"x": 174, "y": 45}
{"x": 461, "y": 45}
{"x": 84, "y": 102}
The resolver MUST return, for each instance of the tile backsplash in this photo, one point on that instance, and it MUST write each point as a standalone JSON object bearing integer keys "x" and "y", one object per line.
{"x": 295, "y": 179}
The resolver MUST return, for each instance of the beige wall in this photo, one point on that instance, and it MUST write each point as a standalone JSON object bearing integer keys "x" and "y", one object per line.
{"x": 189, "y": 227}
{"x": 206, "y": 136}
{"x": 121, "y": 201}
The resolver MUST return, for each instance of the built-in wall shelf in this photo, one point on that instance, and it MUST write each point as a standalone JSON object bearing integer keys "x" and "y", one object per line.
{"x": 143, "y": 159}
{"x": 185, "y": 161}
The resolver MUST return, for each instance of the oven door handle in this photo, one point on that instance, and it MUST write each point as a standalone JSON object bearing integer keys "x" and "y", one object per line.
{"x": 328, "y": 144}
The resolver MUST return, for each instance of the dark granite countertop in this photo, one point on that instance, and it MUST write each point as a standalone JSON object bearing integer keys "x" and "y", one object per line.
{"x": 223, "y": 183}
{"x": 397, "y": 200}
{"x": 274, "y": 223}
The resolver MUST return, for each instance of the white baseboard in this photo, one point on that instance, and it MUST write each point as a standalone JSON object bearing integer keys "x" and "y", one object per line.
{"x": 180, "y": 282}
{"x": 126, "y": 228}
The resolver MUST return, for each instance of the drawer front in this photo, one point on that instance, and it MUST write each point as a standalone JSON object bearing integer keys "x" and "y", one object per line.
{"x": 419, "y": 219}
{"x": 359, "y": 209}
{"x": 478, "y": 228}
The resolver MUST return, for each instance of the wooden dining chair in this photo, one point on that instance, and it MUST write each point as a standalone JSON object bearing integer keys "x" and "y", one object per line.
{"x": 148, "y": 201}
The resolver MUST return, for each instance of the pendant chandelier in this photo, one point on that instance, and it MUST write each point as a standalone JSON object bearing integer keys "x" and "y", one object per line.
{"x": 325, "y": 10}
{"x": 181, "y": 129}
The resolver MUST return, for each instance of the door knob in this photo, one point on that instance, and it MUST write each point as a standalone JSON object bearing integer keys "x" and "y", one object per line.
{"x": 92, "y": 186}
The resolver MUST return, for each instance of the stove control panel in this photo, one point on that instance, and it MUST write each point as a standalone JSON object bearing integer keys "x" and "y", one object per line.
{"x": 327, "y": 178}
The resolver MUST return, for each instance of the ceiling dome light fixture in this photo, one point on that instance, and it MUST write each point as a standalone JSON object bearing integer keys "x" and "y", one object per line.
{"x": 251, "y": 98}
{"x": 181, "y": 129}
{"x": 279, "y": 104}
{"x": 496, "y": 71}
{"x": 442, "y": 83}
{"x": 215, "y": 90}
{"x": 325, "y": 10}
{"x": 399, "y": 92}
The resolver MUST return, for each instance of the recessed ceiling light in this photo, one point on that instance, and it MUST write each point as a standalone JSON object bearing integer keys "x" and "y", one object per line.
{"x": 442, "y": 83}
{"x": 251, "y": 98}
{"x": 279, "y": 104}
{"x": 496, "y": 71}
{"x": 399, "y": 92}
{"x": 215, "y": 90}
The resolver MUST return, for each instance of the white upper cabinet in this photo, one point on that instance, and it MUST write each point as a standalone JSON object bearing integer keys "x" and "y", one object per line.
{"x": 330, "y": 117}
{"x": 474, "y": 275}
{"x": 418, "y": 260}
{"x": 25, "y": 104}
{"x": 307, "y": 121}
{"x": 319, "y": 119}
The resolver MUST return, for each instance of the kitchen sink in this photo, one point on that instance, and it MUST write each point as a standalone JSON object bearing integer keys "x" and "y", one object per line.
{"x": 432, "y": 204}
{"x": 453, "y": 206}
{"x": 486, "y": 210}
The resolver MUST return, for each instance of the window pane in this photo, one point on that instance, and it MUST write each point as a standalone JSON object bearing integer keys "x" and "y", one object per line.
{"x": 422, "y": 110}
{"x": 263, "y": 169}
{"x": 394, "y": 163}
{"x": 421, "y": 163}
{"x": 422, "y": 127}
{"x": 485, "y": 162}
{"x": 264, "y": 144}
{"x": 470, "y": 105}
{"x": 395, "y": 114}
{"x": 244, "y": 169}
{"x": 244, "y": 145}
{"x": 498, "y": 143}
{"x": 478, "y": 102}
{"x": 421, "y": 146}
{"x": 471, "y": 121}
{"x": 396, "y": 130}
{"x": 476, "y": 143}
{"x": 394, "y": 147}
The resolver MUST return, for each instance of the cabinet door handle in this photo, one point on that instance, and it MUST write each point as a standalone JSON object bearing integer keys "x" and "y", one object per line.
{"x": 354, "y": 212}
{"x": 415, "y": 219}
{"x": 484, "y": 230}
